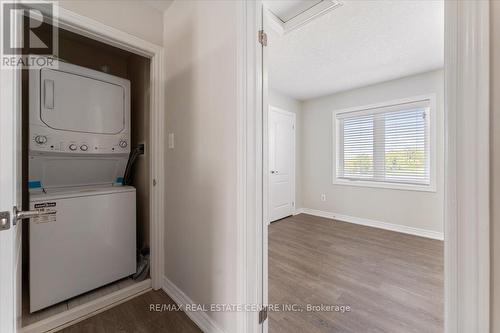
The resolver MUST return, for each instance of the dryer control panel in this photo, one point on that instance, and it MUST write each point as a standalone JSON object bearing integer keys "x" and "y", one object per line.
{"x": 43, "y": 140}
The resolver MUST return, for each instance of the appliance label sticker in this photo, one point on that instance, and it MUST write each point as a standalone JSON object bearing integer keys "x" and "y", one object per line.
{"x": 44, "y": 218}
{"x": 45, "y": 205}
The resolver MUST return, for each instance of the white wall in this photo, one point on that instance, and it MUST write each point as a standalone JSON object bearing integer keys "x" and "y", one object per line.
{"x": 423, "y": 210}
{"x": 131, "y": 16}
{"x": 290, "y": 104}
{"x": 200, "y": 227}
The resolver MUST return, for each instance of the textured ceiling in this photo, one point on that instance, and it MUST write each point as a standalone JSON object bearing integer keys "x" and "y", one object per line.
{"x": 357, "y": 44}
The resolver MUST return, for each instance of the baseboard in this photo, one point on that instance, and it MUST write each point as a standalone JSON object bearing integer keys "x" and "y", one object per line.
{"x": 89, "y": 309}
{"x": 376, "y": 224}
{"x": 200, "y": 318}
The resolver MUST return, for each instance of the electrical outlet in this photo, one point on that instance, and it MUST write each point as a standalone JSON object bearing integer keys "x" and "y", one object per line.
{"x": 171, "y": 143}
{"x": 323, "y": 197}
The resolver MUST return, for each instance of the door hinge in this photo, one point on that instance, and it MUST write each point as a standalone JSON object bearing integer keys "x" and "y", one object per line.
{"x": 263, "y": 315}
{"x": 293, "y": 203}
{"x": 262, "y": 38}
{"x": 4, "y": 220}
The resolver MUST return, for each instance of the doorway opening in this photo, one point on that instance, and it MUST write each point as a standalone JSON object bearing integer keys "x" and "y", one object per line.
{"x": 86, "y": 63}
{"x": 366, "y": 234}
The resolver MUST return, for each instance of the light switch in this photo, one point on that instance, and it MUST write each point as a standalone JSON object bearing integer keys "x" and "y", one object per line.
{"x": 171, "y": 144}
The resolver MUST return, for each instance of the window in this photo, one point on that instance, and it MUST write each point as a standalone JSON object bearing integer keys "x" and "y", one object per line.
{"x": 387, "y": 145}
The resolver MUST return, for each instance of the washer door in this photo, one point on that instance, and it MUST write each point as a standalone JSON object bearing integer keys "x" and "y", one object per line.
{"x": 77, "y": 103}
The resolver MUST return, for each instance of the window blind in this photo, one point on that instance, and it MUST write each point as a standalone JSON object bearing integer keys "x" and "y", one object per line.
{"x": 385, "y": 144}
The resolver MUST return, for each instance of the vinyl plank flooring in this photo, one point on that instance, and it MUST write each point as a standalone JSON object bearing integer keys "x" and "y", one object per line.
{"x": 393, "y": 282}
{"x": 135, "y": 316}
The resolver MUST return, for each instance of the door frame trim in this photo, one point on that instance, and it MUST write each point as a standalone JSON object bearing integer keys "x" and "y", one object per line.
{"x": 467, "y": 206}
{"x": 250, "y": 240}
{"x": 467, "y": 266}
{"x": 276, "y": 109}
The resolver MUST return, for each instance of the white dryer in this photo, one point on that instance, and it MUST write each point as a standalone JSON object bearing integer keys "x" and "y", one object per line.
{"x": 78, "y": 151}
{"x": 78, "y": 110}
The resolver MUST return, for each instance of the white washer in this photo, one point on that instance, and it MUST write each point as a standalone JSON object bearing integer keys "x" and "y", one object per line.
{"x": 90, "y": 242}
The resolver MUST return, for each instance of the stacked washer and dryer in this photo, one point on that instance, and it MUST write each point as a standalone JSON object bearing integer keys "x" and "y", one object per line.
{"x": 79, "y": 124}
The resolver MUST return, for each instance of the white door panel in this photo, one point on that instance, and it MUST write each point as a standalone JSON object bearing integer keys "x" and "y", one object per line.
{"x": 10, "y": 196}
{"x": 281, "y": 163}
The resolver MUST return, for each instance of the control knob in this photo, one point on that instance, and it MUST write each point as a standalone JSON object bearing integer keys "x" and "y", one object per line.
{"x": 72, "y": 147}
{"x": 122, "y": 143}
{"x": 84, "y": 147}
{"x": 40, "y": 139}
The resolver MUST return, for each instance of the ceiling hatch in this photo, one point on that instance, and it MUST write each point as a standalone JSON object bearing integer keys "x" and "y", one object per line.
{"x": 287, "y": 15}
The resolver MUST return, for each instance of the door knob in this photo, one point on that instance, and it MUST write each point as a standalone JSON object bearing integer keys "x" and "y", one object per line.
{"x": 27, "y": 214}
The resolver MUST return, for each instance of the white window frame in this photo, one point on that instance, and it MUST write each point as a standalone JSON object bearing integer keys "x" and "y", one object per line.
{"x": 431, "y": 187}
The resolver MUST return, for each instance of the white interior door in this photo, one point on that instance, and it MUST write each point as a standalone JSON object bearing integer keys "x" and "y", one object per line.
{"x": 281, "y": 163}
{"x": 10, "y": 189}
{"x": 10, "y": 196}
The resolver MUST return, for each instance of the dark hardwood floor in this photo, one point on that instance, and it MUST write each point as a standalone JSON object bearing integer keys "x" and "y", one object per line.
{"x": 135, "y": 316}
{"x": 393, "y": 282}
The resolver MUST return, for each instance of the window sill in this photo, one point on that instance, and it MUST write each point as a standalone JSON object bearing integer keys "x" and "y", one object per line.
{"x": 390, "y": 186}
